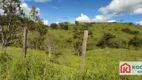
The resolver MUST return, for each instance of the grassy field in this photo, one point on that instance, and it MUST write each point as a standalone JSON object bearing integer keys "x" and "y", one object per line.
{"x": 100, "y": 64}
{"x": 98, "y": 30}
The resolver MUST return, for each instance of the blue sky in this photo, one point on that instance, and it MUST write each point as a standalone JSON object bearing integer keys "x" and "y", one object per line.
{"x": 53, "y": 11}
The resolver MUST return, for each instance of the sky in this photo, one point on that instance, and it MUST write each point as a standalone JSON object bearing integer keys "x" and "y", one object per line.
{"x": 55, "y": 11}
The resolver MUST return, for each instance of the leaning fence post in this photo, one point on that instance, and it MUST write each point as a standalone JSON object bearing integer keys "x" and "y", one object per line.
{"x": 84, "y": 46}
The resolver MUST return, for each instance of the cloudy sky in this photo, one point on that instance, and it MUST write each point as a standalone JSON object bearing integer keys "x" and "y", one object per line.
{"x": 54, "y": 11}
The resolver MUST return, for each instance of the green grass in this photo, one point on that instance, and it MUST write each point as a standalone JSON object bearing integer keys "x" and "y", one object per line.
{"x": 100, "y": 64}
{"x": 100, "y": 28}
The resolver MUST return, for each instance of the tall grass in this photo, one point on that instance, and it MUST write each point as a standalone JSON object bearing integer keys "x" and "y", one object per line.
{"x": 100, "y": 64}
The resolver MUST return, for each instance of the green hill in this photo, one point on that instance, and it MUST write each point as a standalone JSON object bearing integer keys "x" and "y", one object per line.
{"x": 100, "y": 63}
{"x": 97, "y": 30}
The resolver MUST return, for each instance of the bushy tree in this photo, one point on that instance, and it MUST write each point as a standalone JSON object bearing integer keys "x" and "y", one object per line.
{"x": 110, "y": 40}
{"x": 41, "y": 28}
{"x": 77, "y": 23}
{"x": 36, "y": 31}
{"x": 64, "y": 26}
{"x": 78, "y": 38}
{"x": 78, "y": 32}
{"x": 51, "y": 44}
{"x": 34, "y": 14}
{"x": 10, "y": 20}
{"x": 127, "y": 30}
{"x": 36, "y": 35}
{"x": 54, "y": 26}
{"x": 135, "y": 42}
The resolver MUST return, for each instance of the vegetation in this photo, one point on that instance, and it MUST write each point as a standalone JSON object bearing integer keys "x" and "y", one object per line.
{"x": 109, "y": 40}
{"x": 63, "y": 64}
{"x": 64, "y": 25}
{"x": 37, "y": 65}
{"x": 9, "y": 21}
{"x": 52, "y": 50}
{"x": 127, "y": 30}
{"x": 135, "y": 42}
{"x": 54, "y": 26}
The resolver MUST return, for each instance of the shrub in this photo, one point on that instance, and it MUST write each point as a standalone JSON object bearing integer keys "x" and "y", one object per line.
{"x": 88, "y": 24}
{"x": 109, "y": 40}
{"x": 64, "y": 26}
{"x": 90, "y": 33}
{"x": 54, "y": 26}
{"x": 127, "y": 30}
{"x": 17, "y": 42}
{"x": 115, "y": 29}
{"x": 130, "y": 23}
{"x": 69, "y": 40}
{"x": 135, "y": 42}
{"x": 77, "y": 38}
{"x": 77, "y": 23}
{"x": 34, "y": 41}
{"x": 117, "y": 43}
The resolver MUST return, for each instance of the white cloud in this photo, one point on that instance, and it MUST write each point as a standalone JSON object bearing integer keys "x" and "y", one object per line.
{"x": 1, "y": 12}
{"x": 83, "y": 18}
{"x": 24, "y": 6}
{"x": 98, "y": 18}
{"x": 121, "y": 6}
{"x": 111, "y": 21}
{"x": 72, "y": 22}
{"x": 102, "y": 18}
{"x": 137, "y": 11}
{"x": 57, "y": 22}
{"x": 38, "y": 9}
{"x": 45, "y": 22}
{"x": 27, "y": 9}
{"x": 139, "y": 23}
{"x": 42, "y": 1}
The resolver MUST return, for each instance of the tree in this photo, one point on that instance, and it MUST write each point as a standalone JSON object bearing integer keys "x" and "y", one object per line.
{"x": 10, "y": 20}
{"x": 111, "y": 41}
{"x": 76, "y": 23}
{"x": 54, "y": 26}
{"x": 135, "y": 42}
{"x": 34, "y": 14}
{"x": 50, "y": 43}
{"x": 78, "y": 32}
{"x": 36, "y": 35}
{"x": 64, "y": 26}
{"x": 41, "y": 28}
{"x": 35, "y": 18}
{"x": 61, "y": 25}
{"x": 78, "y": 38}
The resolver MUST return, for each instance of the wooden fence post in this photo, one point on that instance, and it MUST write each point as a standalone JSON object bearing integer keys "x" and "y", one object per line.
{"x": 84, "y": 46}
{"x": 25, "y": 42}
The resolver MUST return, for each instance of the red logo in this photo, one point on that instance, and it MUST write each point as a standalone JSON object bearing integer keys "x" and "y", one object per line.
{"x": 125, "y": 68}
